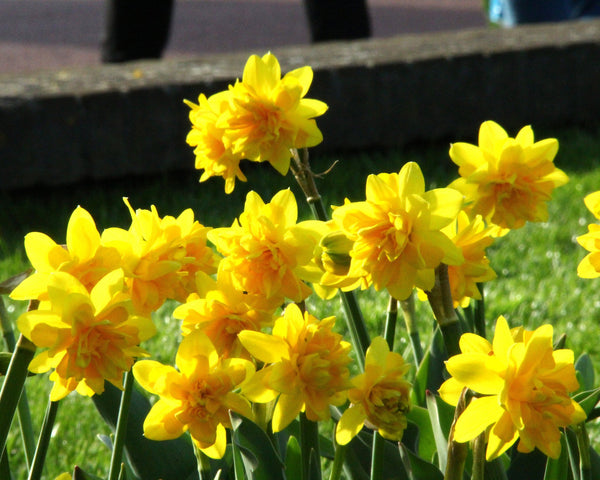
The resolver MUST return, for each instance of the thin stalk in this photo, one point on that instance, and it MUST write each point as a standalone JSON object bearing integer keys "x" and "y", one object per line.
{"x": 13, "y": 385}
{"x": 23, "y": 412}
{"x": 479, "y": 313}
{"x": 440, "y": 299}
{"x": 204, "y": 470}
{"x": 377, "y": 457}
{"x": 309, "y": 442}
{"x": 478, "y": 469}
{"x": 408, "y": 312}
{"x": 338, "y": 462}
{"x": 583, "y": 445}
{"x": 457, "y": 452}
{"x": 359, "y": 334}
{"x": 357, "y": 327}
{"x": 121, "y": 428}
{"x": 391, "y": 319}
{"x": 43, "y": 441}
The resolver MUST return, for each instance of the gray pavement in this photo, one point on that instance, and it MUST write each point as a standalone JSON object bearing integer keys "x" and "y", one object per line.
{"x": 55, "y": 34}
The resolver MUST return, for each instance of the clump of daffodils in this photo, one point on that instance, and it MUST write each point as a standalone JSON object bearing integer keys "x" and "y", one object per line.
{"x": 521, "y": 388}
{"x": 260, "y": 118}
{"x": 508, "y": 181}
{"x": 397, "y": 231}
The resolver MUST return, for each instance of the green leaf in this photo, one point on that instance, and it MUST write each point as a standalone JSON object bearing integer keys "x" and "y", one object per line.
{"x": 168, "y": 460}
{"x": 440, "y": 437}
{"x": 417, "y": 468}
{"x": 585, "y": 372}
{"x": 79, "y": 474}
{"x": 293, "y": 460}
{"x": 588, "y": 399}
{"x": 358, "y": 458}
{"x": 424, "y": 443}
{"x": 558, "y": 468}
{"x": 430, "y": 374}
{"x": 261, "y": 459}
{"x": 526, "y": 466}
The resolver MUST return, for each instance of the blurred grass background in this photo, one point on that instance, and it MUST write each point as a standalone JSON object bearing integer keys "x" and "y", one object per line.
{"x": 536, "y": 265}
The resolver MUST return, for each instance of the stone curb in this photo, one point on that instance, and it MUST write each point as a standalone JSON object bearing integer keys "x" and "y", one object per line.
{"x": 116, "y": 120}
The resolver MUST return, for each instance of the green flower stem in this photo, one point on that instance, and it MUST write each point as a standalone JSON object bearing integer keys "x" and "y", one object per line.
{"x": 479, "y": 313}
{"x": 389, "y": 331}
{"x": 357, "y": 327}
{"x": 457, "y": 452}
{"x": 309, "y": 443}
{"x": 23, "y": 412}
{"x": 338, "y": 462}
{"x": 408, "y": 312}
{"x": 583, "y": 445}
{"x": 121, "y": 428}
{"x": 204, "y": 470}
{"x": 377, "y": 456}
{"x": 43, "y": 441}
{"x": 12, "y": 387}
{"x": 440, "y": 299}
{"x": 478, "y": 469}
{"x": 359, "y": 334}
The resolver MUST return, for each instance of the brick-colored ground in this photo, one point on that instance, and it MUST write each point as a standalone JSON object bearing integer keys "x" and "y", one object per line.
{"x": 54, "y": 34}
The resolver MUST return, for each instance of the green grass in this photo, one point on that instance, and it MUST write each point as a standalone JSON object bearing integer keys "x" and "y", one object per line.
{"x": 536, "y": 265}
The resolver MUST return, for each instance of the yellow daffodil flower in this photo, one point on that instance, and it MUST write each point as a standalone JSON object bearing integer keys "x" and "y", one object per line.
{"x": 396, "y": 232}
{"x": 87, "y": 337}
{"x": 472, "y": 237}
{"x": 161, "y": 256}
{"x": 589, "y": 267}
{"x": 521, "y": 390}
{"x": 380, "y": 397}
{"x": 195, "y": 397}
{"x": 223, "y": 312}
{"x": 508, "y": 181}
{"x": 266, "y": 251}
{"x": 268, "y": 114}
{"x": 308, "y": 367}
{"x": 211, "y": 154}
{"x": 83, "y": 257}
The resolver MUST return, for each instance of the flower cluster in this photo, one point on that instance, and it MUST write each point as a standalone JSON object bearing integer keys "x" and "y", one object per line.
{"x": 396, "y": 231}
{"x": 259, "y": 118}
{"x": 522, "y": 390}
{"x": 246, "y": 335}
{"x": 508, "y": 181}
{"x": 96, "y": 293}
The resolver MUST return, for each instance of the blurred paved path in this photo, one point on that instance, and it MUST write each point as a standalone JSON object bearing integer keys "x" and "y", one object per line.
{"x": 53, "y": 34}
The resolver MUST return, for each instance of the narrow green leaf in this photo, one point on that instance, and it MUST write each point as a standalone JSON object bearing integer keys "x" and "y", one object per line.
{"x": 440, "y": 437}
{"x": 585, "y": 372}
{"x": 418, "y": 468}
{"x": 79, "y": 474}
{"x": 260, "y": 457}
{"x": 588, "y": 399}
{"x": 314, "y": 471}
{"x": 293, "y": 459}
{"x": 527, "y": 465}
{"x": 430, "y": 374}
{"x": 425, "y": 441}
{"x": 358, "y": 458}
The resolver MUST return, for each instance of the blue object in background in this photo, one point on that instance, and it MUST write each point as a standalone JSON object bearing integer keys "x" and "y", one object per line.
{"x": 509, "y": 13}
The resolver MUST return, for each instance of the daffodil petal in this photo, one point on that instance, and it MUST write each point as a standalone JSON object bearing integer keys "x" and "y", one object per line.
{"x": 479, "y": 414}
